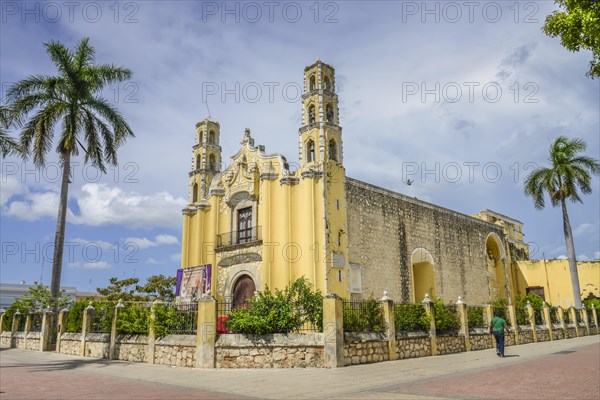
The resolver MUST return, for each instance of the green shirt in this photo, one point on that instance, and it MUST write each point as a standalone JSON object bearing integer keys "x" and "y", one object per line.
{"x": 498, "y": 324}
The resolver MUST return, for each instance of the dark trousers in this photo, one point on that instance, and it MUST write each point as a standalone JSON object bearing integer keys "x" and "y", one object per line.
{"x": 499, "y": 336}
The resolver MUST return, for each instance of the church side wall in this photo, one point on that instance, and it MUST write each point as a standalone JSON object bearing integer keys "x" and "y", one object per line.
{"x": 384, "y": 228}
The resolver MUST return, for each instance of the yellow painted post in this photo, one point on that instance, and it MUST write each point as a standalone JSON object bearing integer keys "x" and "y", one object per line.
{"x": 2, "y": 322}
{"x": 27, "y": 329}
{"x": 15, "y": 325}
{"x": 86, "y": 326}
{"x": 47, "y": 326}
{"x": 584, "y": 317}
{"x": 152, "y": 332}
{"x": 62, "y": 318}
{"x": 206, "y": 332}
{"x": 595, "y": 316}
{"x": 531, "y": 317}
{"x": 464, "y": 322}
{"x": 333, "y": 331}
{"x": 113, "y": 330}
{"x": 547, "y": 320}
{"x": 390, "y": 322}
{"x": 428, "y": 305}
{"x": 573, "y": 314}
{"x": 512, "y": 316}
{"x": 489, "y": 312}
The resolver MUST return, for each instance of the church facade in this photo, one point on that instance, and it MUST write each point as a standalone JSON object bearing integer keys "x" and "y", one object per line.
{"x": 259, "y": 224}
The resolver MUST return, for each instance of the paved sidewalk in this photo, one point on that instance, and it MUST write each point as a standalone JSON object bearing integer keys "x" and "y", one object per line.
{"x": 564, "y": 369}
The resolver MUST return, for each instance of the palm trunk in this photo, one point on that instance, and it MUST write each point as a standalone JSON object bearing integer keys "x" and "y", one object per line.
{"x": 59, "y": 238}
{"x": 571, "y": 256}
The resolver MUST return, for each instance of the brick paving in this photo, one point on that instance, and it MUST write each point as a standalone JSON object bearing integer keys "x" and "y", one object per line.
{"x": 533, "y": 372}
{"x": 571, "y": 374}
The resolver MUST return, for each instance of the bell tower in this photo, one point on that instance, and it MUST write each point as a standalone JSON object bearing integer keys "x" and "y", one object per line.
{"x": 206, "y": 159}
{"x": 320, "y": 134}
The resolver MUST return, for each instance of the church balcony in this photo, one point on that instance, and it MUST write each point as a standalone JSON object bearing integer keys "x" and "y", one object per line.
{"x": 316, "y": 125}
{"x": 237, "y": 239}
{"x": 208, "y": 145}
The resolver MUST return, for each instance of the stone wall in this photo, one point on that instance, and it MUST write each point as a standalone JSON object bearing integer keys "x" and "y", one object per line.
{"x": 97, "y": 345}
{"x": 481, "y": 341}
{"x": 525, "y": 335}
{"x": 365, "y": 348}
{"x": 543, "y": 335}
{"x": 270, "y": 351}
{"x": 18, "y": 340}
{"x": 33, "y": 341}
{"x": 509, "y": 339}
{"x": 413, "y": 346}
{"x": 178, "y": 350}
{"x": 132, "y": 348}
{"x": 5, "y": 340}
{"x": 70, "y": 343}
{"x": 571, "y": 333}
{"x": 558, "y": 334}
{"x": 384, "y": 228}
{"x": 450, "y": 344}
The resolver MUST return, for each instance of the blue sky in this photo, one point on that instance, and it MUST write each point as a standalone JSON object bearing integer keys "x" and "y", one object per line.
{"x": 462, "y": 99}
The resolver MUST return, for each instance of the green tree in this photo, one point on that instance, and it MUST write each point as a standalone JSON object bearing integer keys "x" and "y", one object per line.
{"x": 7, "y": 144}
{"x": 124, "y": 289}
{"x": 35, "y": 299}
{"x": 578, "y": 27}
{"x": 160, "y": 286}
{"x": 87, "y": 122}
{"x": 568, "y": 172}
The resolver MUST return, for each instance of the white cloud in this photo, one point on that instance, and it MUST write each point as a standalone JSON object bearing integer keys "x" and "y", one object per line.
{"x": 583, "y": 257}
{"x": 561, "y": 257}
{"x": 585, "y": 229}
{"x": 166, "y": 239}
{"x": 141, "y": 243}
{"x": 100, "y": 204}
{"x": 10, "y": 187}
{"x": 144, "y": 243}
{"x": 89, "y": 265}
{"x": 152, "y": 261}
{"x": 175, "y": 257}
{"x": 35, "y": 206}
{"x": 597, "y": 255}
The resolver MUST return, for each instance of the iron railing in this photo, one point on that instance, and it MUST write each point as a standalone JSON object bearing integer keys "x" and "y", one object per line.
{"x": 363, "y": 316}
{"x": 234, "y": 238}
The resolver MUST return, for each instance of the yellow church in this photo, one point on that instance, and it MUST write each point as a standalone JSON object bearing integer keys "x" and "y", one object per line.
{"x": 260, "y": 224}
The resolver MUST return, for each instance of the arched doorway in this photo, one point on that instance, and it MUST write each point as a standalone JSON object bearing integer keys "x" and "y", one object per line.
{"x": 495, "y": 264}
{"x": 243, "y": 290}
{"x": 423, "y": 274}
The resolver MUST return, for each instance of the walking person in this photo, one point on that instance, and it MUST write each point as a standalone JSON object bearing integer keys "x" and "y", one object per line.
{"x": 497, "y": 327}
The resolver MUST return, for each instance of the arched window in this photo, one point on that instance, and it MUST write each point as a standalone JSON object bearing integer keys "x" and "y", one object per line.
{"x": 212, "y": 163}
{"x": 194, "y": 193}
{"x": 327, "y": 83}
{"x": 312, "y": 83}
{"x": 333, "y": 151}
{"x": 329, "y": 113}
{"x": 198, "y": 158}
{"x": 200, "y": 136}
{"x": 310, "y": 151}
{"x": 211, "y": 137}
{"x": 311, "y": 114}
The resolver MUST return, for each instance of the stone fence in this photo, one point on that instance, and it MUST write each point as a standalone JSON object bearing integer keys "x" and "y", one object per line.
{"x": 332, "y": 348}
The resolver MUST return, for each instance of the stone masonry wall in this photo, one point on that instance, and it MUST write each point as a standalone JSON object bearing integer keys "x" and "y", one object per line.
{"x": 18, "y": 340}
{"x": 33, "y": 341}
{"x": 450, "y": 344}
{"x": 70, "y": 343}
{"x": 481, "y": 341}
{"x": 365, "y": 348}
{"x": 384, "y": 228}
{"x": 571, "y": 333}
{"x": 178, "y": 350}
{"x": 525, "y": 334}
{"x": 543, "y": 335}
{"x": 413, "y": 347}
{"x": 97, "y": 345}
{"x": 132, "y": 348}
{"x": 270, "y": 351}
{"x": 5, "y": 340}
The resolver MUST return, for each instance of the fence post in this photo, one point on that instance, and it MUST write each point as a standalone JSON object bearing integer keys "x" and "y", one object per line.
{"x": 47, "y": 326}
{"x": 490, "y": 314}
{"x": 512, "y": 316}
{"x": 152, "y": 332}
{"x": 390, "y": 322}
{"x": 206, "y": 332}
{"x": 333, "y": 331}
{"x": 15, "y": 326}
{"x": 573, "y": 314}
{"x": 547, "y": 320}
{"x": 2, "y": 317}
{"x": 27, "y": 329}
{"x": 561, "y": 320}
{"x": 86, "y": 326}
{"x": 531, "y": 317}
{"x": 464, "y": 322}
{"x": 113, "y": 330}
{"x": 62, "y": 317}
{"x": 584, "y": 317}
{"x": 595, "y": 316}
{"x": 428, "y": 305}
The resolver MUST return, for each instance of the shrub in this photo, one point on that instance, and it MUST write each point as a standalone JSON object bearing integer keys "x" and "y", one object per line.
{"x": 411, "y": 317}
{"x": 475, "y": 317}
{"x": 535, "y": 301}
{"x": 74, "y": 320}
{"x": 281, "y": 311}
{"x": 446, "y": 317}
{"x": 363, "y": 316}
{"x": 134, "y": 319}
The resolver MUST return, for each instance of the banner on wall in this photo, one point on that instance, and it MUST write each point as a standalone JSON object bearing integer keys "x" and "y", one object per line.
{"x": 193, "y": 282}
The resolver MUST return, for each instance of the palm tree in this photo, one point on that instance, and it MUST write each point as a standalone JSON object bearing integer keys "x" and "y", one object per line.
{"x": 7, "y": 144}
{"x": 70, "y": 100}
{"x": 569, "y": 171}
